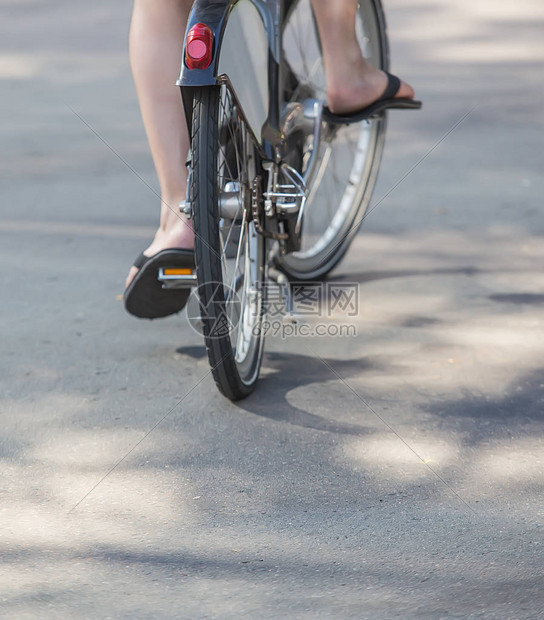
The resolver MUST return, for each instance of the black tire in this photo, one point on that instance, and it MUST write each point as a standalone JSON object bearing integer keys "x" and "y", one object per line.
{"x": 332, "y": 219}
{"x": 218, "y": 136}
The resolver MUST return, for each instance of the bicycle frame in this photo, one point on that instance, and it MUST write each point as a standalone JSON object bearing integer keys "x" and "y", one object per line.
{"x": 246, "y": 56}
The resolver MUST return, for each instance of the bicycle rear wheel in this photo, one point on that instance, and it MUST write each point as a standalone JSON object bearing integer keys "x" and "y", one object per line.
{"x": 230, "y": 254}
{"x": 349, "y": 155}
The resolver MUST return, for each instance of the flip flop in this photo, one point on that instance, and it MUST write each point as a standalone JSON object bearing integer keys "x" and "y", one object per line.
{"x": 145, "y": 297}
{"x": 387, "y": 101}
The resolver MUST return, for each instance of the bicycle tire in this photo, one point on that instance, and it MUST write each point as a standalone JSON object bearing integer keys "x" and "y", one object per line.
{"x": 317, "y": 260}
{"x": 235, "y": 371}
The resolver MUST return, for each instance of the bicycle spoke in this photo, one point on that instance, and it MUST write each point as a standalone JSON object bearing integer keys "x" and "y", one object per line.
{"x": 239, "y": 250}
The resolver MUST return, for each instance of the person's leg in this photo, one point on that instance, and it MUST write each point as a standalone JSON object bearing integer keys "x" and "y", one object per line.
{"x": 156, "y": 41}
{"x": 352, "y": 82}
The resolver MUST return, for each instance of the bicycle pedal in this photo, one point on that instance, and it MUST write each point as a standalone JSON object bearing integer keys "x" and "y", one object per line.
{"x": 177, "y": 277}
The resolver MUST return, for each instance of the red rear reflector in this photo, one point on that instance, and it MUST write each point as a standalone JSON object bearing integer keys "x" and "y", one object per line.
{"x": 199, "y": 47}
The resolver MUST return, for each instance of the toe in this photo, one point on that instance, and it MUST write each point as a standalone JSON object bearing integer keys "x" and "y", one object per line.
{"x": 133, "y": 271}
{"x": 405, "y": 91}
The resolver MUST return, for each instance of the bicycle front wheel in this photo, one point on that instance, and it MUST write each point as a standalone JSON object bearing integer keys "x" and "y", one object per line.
{"x": 229, "y": 252}
{"x": 349, "y": 155}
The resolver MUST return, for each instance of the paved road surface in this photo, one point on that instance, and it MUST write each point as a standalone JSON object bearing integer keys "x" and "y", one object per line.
{"x": 396, "y": 474}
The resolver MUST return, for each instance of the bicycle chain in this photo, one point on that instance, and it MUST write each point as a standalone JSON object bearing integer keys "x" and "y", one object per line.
{"x": 256, "y": 199}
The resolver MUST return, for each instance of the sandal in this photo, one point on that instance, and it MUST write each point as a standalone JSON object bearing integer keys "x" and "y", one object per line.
{"x": 387, "y": 101}
{"x": 145, "y": 296}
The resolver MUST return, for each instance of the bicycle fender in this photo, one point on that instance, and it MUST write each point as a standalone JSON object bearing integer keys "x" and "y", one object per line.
{"x": 243, "y": 55}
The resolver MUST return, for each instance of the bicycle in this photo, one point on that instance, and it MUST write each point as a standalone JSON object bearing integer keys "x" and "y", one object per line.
{"x": 275, "y": 191}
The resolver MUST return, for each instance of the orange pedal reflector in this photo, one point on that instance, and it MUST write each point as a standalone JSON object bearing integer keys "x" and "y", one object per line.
{"x": 178, "y": 272}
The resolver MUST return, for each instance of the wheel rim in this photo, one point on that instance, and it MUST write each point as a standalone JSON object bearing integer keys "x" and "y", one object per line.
{"x": 241, "y": 247}
{"x": 347, "y": 170}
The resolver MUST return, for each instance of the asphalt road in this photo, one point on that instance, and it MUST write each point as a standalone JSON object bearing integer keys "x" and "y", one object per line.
{"x": 395, "y": 474}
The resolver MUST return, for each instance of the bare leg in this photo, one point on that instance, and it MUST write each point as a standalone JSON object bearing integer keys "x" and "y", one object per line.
{"x": 352, "y": 82}
{"x": 156, "y": 41}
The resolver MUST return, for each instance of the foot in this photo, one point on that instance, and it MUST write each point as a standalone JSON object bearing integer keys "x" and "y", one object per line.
{"x": 347, "y": 94}
{"x": 177, "y": 232}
